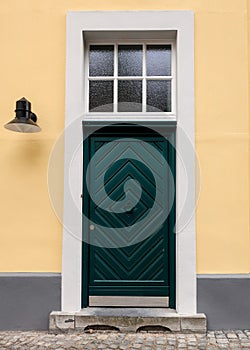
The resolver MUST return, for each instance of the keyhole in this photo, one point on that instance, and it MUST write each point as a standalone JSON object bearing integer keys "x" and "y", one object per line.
{"x": 129, "y": 212}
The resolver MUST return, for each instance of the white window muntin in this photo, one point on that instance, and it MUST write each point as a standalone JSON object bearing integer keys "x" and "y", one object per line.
{"x": 157, "y": 115}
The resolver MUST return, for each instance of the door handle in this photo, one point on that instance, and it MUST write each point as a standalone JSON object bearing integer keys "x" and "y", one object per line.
{"x": 91, "y": 227}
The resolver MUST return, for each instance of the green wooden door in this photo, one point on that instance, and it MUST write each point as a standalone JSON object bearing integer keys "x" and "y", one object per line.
{"x": 128, "y": 177}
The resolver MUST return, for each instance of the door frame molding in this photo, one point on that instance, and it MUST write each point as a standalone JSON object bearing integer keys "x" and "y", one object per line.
{"x": 175, "y": 24}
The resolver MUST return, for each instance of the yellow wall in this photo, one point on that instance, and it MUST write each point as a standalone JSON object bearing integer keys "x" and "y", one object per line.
{"x": 32, "y": 39}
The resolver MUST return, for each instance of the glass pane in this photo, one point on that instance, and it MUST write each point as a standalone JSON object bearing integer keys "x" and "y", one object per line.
{"x": 130, "y": 60}
{"x": 158, "y": 59}
{"x": 101, "y": 60}
{"x": 129, "y": 95}
{"x": 101, "y": 96}
{"x": 158, "y": 96}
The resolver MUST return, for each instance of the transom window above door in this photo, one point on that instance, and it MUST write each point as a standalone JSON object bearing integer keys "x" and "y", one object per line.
{"x": 130, "y": 78}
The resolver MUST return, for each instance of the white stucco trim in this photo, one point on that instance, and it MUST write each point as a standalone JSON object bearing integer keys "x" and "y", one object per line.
{"x": 182, "y": 24}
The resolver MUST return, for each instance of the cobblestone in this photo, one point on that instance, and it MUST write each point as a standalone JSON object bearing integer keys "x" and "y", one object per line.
{"x": 232, "y": 340}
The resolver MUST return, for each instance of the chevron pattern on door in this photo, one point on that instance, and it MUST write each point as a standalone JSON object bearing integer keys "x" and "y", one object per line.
{"x": 123, "y": 258}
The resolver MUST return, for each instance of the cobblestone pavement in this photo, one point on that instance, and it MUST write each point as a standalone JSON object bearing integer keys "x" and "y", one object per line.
{"x": 110, "y": 341}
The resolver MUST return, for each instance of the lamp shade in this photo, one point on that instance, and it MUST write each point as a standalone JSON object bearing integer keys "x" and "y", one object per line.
{"x": 25, "y": 120}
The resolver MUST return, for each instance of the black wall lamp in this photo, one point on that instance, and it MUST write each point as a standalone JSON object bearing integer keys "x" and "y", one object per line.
{"x": 25, "y": 120}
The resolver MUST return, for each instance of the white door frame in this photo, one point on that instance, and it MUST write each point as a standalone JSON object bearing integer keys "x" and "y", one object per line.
{"x": 175, "y": 24}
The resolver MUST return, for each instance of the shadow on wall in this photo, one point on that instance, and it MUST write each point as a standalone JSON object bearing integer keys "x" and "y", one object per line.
{"x": 26, "y": 153}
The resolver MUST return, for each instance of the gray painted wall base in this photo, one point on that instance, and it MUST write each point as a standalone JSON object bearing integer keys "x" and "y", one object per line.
{"x": 26, "y": 300}
{"x": 225, "y": 301}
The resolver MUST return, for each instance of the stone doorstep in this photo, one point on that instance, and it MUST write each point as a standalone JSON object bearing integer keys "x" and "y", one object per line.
{"x": 127, "y": 320}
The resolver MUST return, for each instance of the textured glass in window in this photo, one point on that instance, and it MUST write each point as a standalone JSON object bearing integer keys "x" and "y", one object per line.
{"x": 101, "y": 96}
{"x": 158, "y": 96}
{"x": 130, "y": 60}
{"x": 129, "y": 96}
{"x": 101, "y": 60}
{"x": 158, "y": 60}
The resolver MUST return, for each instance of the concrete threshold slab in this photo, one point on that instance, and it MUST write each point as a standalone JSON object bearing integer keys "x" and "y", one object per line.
{"x": 126, "y": 320}
{"x": 127, "y": 311}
